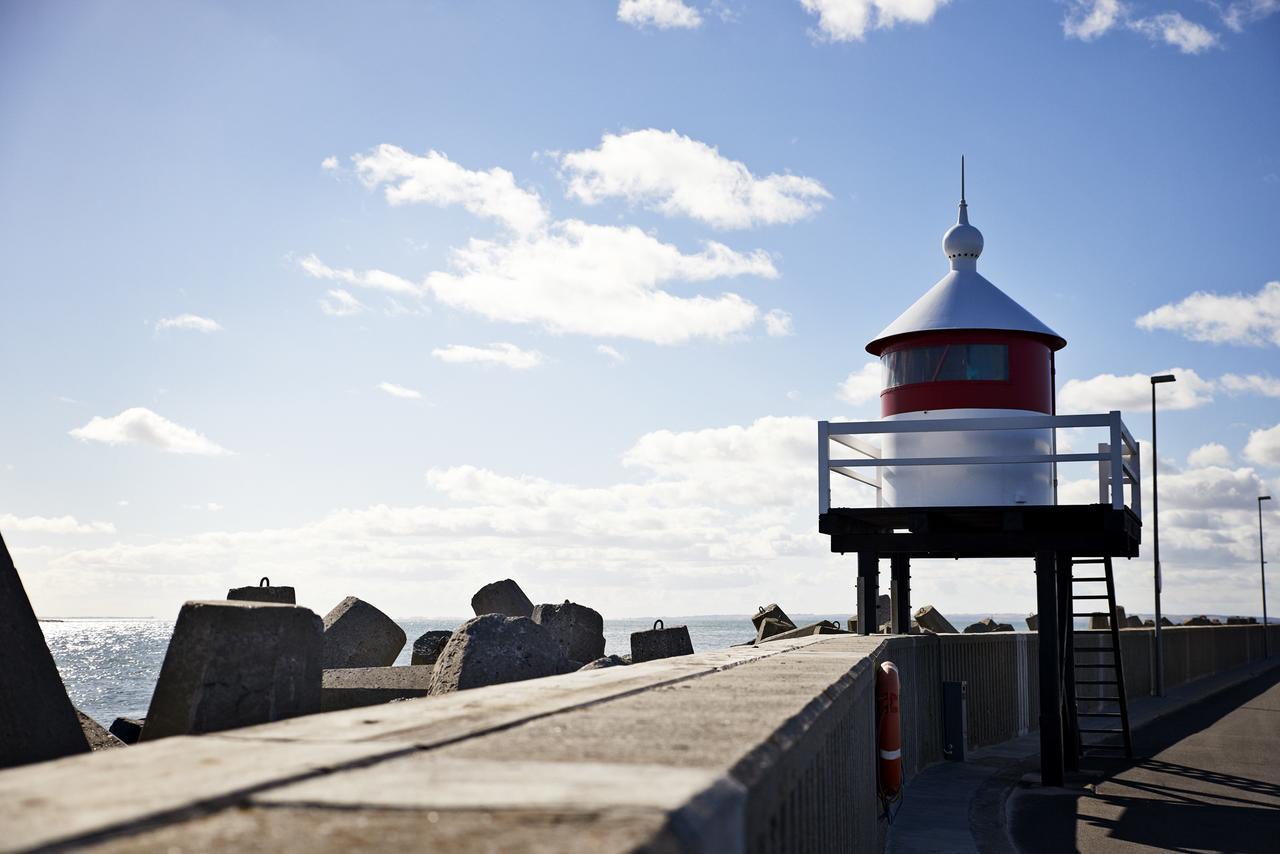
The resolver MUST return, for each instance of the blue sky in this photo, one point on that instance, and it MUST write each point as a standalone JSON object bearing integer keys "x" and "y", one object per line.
{"x": 193, "y": 195}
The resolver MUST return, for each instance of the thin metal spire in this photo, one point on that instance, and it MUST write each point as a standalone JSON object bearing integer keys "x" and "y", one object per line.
{"x": 963, "y": 217}
{"x": 962, "y": 179}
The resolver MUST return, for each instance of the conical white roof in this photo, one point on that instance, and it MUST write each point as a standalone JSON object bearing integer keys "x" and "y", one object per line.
{"x": 963, "y": 299}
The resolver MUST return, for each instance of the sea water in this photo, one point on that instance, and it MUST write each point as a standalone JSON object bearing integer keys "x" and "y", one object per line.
{"x": 110, "y": 666}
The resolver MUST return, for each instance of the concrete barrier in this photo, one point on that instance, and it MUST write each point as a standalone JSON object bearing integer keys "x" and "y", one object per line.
{"x": 356, "y": 634}
{"x": 234, "y": 664}
{"x": 353, "y": 687}
{"x": 263, "y": 592}
{"x": 37, "y": 721}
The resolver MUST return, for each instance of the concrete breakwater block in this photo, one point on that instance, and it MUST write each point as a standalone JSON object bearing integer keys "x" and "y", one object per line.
{"x": 502, "y": 597}
{"x": 37, "y": 720}
{"x": 931, "y": 618}
{"x": 606, "y": 661}
{"x": 234, "y": 664}
{"x": 771, "y": 612}
{"x": 1033, "y": 622}
{"x": 356, "y": 634}
{"x": 770, "y": 627}
{"x": 660, "y": 642}
{"x": 823, "y": 627}
{"x": 427, "y": 648}
{"x": 128, "y": 730}
{"x": 987, "y": 624}
{"x": 351, "y": 687}
{"x": 492, "y": 649}
{"x": 96, "y": 734}
{"x": 578, "y": 629}
{"x": 263, "y": 592}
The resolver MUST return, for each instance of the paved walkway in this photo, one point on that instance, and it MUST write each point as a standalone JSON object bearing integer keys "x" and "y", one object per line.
{"x": 960, "y": 807}
{"x": 1211, "y": 783}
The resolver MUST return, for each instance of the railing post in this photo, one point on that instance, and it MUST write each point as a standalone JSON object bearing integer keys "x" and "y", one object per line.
{"x": 824, "y": 467}
{"x": 1117, "y": 462}
{"x": 1051, "y": 757}
{"x": 1104, "y": 480}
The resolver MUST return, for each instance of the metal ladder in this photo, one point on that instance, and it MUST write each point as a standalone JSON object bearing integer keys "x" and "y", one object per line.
{"x": 1096, "y": 721}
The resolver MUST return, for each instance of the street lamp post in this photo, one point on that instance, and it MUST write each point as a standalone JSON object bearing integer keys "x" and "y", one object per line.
{"x": 1155, "y": 518}
{"x": 1262, "y": 569}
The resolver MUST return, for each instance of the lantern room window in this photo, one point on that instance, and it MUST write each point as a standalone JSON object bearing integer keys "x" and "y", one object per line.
{"x": 945, "y": 363}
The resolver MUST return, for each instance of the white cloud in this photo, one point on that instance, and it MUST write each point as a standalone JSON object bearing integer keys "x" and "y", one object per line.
{"x": 1254, "y": 383}
{"x": 1106, "y": 392}
{"x": 1231, "y": 319}
{"x": 435, "y": 179}
{"x": 340, "y": 303}
{"x": 1088, "y": 19}
{"x": 777, "y": 324}
{"x": 1211, "y": 454}
{"x": 606, "y": 350}
{"x": 211, "y": 507}
{"x": 862, "y": 385}
{"x": 849, "y": 20}
{"x": 680, "y": 176}
{"x": 377, "y": 280}
{"x": 507, "y": 355}
{"x": 1263, "y": 446}
{"x": 1175, "y": 30}
{"x": 399, "y": 391}
{"x": 330, "y": 163}
{"x": 188, "y": 321}
{"x": 663, "y": 14}
{"x": 141, "y": 426}
{"x": 52, "y": 525}
{"x": 1239, "y": 13}
{"x": 601, "y": 281}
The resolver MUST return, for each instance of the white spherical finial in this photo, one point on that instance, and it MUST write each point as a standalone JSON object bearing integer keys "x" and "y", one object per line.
{"x": 962, "y": 243}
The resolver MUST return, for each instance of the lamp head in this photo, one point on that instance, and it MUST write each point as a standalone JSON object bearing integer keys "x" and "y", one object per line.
{"x": 1163, "y": 378}
{"x": 1262, "y": 498}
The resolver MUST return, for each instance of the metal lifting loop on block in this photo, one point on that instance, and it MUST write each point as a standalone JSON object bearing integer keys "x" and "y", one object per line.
{"x": 657, "y": 624}
{"x": 265, "y": 582}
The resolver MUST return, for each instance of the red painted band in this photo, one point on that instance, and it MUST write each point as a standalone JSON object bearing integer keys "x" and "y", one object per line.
{"x": 1029, "y": 387}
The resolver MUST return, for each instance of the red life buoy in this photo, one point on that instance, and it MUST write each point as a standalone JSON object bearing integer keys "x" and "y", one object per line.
{"x": 888, "y": 730}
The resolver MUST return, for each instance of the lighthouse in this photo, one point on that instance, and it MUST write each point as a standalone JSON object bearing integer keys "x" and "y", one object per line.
{"x": 966, "y": 350}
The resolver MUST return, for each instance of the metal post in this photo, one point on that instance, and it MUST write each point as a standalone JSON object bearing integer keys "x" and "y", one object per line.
{"x": 900, "y": 592}
{"x": 1051, "y": 769}
{"x": 868, "y": 591}
{"x": 1155, "y": 521}
{"x": 1262, "y": 571}
{"x": 1067, "y": 655}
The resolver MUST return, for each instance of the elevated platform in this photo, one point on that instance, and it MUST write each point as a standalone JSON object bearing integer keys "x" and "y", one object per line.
{"x": 1081, "y": 530}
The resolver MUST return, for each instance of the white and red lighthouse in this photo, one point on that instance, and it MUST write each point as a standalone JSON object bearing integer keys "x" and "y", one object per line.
{"x": 966, "y": 350}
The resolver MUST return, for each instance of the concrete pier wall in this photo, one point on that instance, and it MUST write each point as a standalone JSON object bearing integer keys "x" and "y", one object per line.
{"x": 768, "y": 749}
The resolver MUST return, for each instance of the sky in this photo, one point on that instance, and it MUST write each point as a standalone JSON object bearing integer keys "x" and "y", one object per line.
{"x": 398, "y": 298}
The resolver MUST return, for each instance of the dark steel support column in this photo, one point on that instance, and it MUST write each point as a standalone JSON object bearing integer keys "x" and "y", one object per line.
{"x": 1066, "y": 626}
{"x": 900, "y": 592}
{"x": 868, "y": 591}
{"x": 1050, "y": 677}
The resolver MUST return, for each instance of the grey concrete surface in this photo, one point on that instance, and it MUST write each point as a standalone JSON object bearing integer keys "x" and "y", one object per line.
{"x": 1207, "y": 779}
{"x": 493, "y": 649}
{"x": 356, "y": 634}
{"x": 353, "y": 687}
{"x": 502, "y": 597}
{"x": 662, "y": 641}
{"x": 578, "y": 629}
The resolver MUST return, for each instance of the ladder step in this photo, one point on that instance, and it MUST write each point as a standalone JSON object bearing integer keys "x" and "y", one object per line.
{"x": 1080, "y": 666}
{"x": 1091, "y": 578}
{"x": 1083, "y": 649}
{"x": 1088, "y": 748}
{"x": 1093, "y": 596}
{"x": 1099, "y": 715}
{"x": 1095, "y": 682}
{"x": 1101, "y": 731}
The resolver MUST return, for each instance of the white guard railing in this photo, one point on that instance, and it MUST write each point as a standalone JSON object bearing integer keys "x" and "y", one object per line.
{"x": 1119, "y": 462}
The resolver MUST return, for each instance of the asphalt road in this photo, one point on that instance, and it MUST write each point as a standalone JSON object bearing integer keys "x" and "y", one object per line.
{"x": 1208, "y": 780}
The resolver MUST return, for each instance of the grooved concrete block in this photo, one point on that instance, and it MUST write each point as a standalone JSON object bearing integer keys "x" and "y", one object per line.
{"x": 931, "y": 618}
{"x": 502, "y": 597}
{"x": 578, "y": 629}
{"x": 771, "y": 612}
{"x": 1033, "y": 622}
{"x": 606, "y": 661}
{"x": 263, "y": 592}
{"x": 987, "y": 624}
{"x": 356, "y": 634}
{"x": 235, "y": 664}
{"x": 1201, "y": 620}
{"x": 128, "y": 730}
{"x": 1134, "y": 622}
{"x": 884, "y": 609}
{"x": 427, "y": 648}
{"x": 96, "y": 734}
{"x": 37, "y": 721}
{"x": 660, "y": 642}
{"x": 493, "y": 649}
{"x": 369, "y": 686}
